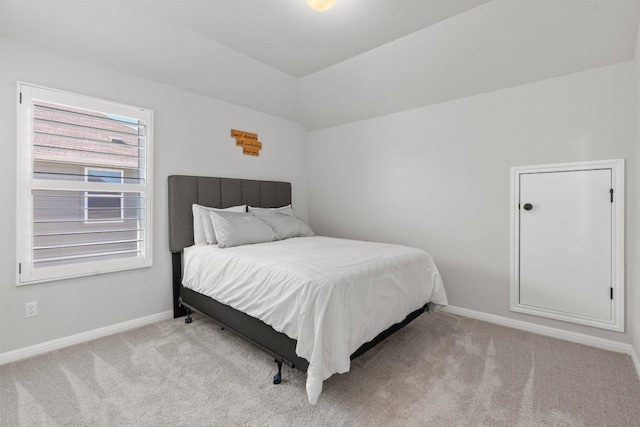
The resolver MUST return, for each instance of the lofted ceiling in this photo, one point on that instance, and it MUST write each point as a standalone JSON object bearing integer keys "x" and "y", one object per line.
{"x": 281, "y": 45}
{"x": 289, "y": 36}
{"x": 284, "y": 34}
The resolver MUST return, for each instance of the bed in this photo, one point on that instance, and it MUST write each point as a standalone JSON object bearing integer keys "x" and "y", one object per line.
{"x": 329, "y": 309}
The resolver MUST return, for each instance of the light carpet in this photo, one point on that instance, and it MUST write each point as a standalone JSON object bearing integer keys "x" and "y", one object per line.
{"x": 441, "y": 370}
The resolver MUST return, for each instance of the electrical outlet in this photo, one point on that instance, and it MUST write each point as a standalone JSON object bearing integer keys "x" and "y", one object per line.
{"x": 31, "y": 309}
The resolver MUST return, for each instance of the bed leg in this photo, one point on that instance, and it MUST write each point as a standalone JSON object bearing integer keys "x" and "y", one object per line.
{"x": 277, "y": 378}
{"x": 188, "y": 319}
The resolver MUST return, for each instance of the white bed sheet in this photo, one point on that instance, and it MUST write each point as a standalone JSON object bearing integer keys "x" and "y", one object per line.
{"x": 331, "y": 295}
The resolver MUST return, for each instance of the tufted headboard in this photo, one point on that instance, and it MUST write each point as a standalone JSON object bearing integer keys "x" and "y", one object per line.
{"x": 186, "y": 190}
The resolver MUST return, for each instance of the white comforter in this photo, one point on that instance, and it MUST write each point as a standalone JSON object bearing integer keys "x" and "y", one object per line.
{"x": 331, "y": 295}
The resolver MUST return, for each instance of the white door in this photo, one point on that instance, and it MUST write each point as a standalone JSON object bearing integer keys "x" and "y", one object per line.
{"x": 565, "y": 242}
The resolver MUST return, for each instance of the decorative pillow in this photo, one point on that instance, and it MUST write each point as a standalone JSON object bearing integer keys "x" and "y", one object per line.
{"x": 286, "y": 226}
{"x": 203, "y": 233}
{"x": 287, "y": 210}
{"x": 235, "y": 229}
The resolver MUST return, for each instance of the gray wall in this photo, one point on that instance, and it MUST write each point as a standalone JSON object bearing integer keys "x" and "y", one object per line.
{"x": 445, "y": 165}
{"x": 634, "y": 304}
{"x": 192, "y": 136}
{"x": 438, "y": 178}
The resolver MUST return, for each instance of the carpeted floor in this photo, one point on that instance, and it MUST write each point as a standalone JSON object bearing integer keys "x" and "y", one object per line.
{"x": 441, "y": 370}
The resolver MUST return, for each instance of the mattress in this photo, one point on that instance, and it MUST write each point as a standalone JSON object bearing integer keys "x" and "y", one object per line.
{"x": 331, "y": 295}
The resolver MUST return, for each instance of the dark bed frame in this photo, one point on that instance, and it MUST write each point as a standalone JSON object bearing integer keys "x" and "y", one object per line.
{"x": 184, "y": 191}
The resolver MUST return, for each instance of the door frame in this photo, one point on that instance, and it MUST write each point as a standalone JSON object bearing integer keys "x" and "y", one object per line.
{"x": 616, "y": 323}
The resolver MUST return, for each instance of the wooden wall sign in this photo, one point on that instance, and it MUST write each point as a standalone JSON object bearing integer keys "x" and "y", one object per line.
{"x": 248, "y": 141}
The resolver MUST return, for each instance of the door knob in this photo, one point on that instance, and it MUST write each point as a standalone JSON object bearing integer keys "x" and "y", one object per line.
{"x": 528, "y": 206}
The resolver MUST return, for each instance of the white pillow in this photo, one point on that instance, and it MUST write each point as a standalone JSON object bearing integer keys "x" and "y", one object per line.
{"x": 287, "y": 210}
{"x": 203, "y": 227}
{"x": 235, "y": 229}
{"x": 286, "y": 226}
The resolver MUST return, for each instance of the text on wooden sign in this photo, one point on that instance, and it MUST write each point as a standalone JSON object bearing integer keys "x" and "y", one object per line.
{"x": 248, "y": 141}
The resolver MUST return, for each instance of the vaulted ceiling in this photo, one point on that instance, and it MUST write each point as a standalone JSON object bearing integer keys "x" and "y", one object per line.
{"x": 221, "y": 48}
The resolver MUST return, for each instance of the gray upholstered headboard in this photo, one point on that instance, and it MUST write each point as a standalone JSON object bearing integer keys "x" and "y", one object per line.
{"x": 185, "y": 190}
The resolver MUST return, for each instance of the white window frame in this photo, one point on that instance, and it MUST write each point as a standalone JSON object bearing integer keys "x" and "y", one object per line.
{"x": 26, "y": 273}
{"x": 88, "y": 195}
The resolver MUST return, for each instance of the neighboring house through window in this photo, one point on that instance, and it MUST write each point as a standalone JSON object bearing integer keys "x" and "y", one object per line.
{"x": 84, "y": 202}
{"x": 99, "y": 205}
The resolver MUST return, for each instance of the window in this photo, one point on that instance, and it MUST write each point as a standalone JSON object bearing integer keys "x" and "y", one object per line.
{"x": 84, "y": 202}
{"x": 100, "y": 205}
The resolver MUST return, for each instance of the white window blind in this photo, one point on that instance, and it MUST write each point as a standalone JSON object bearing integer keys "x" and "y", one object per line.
{"x": 84, "y": 201}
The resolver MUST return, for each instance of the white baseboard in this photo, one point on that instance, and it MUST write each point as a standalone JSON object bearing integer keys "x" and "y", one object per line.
{"x": 636, "y": 361}
{"x": 45, "y": 347}
{"x": 551, "y": 332}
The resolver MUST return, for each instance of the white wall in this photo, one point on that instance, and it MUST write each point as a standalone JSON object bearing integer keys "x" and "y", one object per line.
{"x": 437, "y": 177}
{"x": 191, "y": 137}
